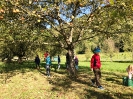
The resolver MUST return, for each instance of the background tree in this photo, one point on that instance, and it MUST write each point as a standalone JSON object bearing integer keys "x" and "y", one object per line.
{"x": 69, "y": 22}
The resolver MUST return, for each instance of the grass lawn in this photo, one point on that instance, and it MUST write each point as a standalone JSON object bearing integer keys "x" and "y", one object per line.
{"x": 23, "y": 81}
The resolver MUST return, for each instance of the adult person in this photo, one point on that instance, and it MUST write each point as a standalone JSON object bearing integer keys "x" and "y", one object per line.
{"x": 95, "y": 67}
{"x": 59, "y": 60}
{"x": 37, "y": 61}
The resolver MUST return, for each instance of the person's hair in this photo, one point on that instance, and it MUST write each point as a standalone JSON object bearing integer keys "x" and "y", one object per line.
{"x": 130, "y": 68}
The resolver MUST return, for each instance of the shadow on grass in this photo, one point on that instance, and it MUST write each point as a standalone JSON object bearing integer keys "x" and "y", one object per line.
{"x": 98, "y": 95}
{"x": 7, "y": 67}
{"x": 107, "y": 95}
{"x": 8, "y": 70}
{"x": 66, "y": 83}
{"x": 84, "y": 77}
{"x": 113, "y": 77}
{"x": 123, "y": 61}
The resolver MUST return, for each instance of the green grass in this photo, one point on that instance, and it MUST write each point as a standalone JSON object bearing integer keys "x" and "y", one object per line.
{"x": 126, "y": 56}
{"x": 23, "y": 81}
{"x": 110, "y": 66}
{"x": 115, "y": 66}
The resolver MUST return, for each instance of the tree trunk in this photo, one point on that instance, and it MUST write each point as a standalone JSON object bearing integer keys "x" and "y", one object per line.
{"x": 71, "y": 64}
{"x": 70, "y": 49}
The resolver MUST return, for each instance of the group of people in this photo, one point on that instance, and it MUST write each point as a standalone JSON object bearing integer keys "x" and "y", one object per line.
{"x": 95, "y": 65}
{"x": 47, "y": 60}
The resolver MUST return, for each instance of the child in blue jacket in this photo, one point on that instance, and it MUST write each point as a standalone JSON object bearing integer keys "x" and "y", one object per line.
{"x": 48, "y": 63}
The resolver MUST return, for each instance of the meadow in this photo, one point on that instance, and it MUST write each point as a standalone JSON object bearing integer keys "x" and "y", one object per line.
{"x": 23, "y": 81}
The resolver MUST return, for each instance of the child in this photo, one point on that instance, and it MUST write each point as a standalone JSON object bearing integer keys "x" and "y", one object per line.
{"x": 45, "y": 55}
{"x": 37, "y": 61}
{"x": 76, "y": 62}
{"x": 58, "y": 62}
{"x": 95, "y": 67}
{"x": 48, "y": 63}
{"x": 130, "y": 71}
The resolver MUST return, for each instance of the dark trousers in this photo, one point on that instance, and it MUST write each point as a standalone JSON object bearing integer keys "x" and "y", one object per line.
{"x": 48, "y": 70}
{"x": 97, "y": 74}
{"x": 38, "y": 65}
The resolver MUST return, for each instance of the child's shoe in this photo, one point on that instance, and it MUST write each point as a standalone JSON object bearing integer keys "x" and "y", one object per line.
{"x": 101, "y": 88}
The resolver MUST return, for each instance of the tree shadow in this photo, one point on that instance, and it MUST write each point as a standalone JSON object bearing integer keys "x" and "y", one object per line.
{"x": 123, "y": 61}
{"x": 115, "y": 78}
{"x": 98, "y": 94}
{"x": 103, "y": 94}
{"x": 66, "y": 82}
{"x": 9, "y": 70}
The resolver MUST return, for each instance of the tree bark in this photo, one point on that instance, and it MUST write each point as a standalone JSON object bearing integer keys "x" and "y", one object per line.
{"x": 71, "y": 64}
